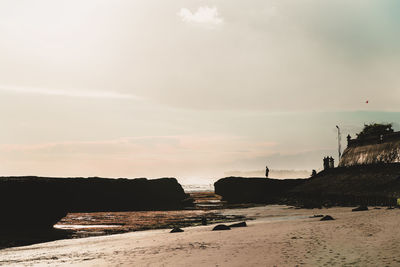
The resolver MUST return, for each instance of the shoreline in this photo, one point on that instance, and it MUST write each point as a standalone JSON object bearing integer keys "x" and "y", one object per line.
{"x": 366, "y": 238}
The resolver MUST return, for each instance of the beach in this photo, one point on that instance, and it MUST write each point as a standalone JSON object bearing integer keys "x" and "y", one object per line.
{"x": 290, "y": 238}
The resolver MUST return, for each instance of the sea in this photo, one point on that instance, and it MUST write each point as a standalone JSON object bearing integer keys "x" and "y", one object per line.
{"x": 189, "y": 188}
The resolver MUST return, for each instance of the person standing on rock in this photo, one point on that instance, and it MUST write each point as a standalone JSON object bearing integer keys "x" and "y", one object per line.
{"x": 266, "y": 171}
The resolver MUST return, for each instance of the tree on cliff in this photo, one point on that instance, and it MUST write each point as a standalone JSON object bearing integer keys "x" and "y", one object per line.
{"x": 375, "y": 129}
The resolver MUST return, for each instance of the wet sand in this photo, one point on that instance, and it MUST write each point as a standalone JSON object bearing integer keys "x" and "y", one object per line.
{"x": 206, "y": 204}
{"x": 106, "y": 223}
{"x": 366, "y": 238}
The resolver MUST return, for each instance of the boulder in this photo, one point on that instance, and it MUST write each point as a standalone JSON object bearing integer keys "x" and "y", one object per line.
{"x": 360, "y": 208}
{"x": 241, "y": 224}
{"x": 221, "y": 227}
{"x": 176, "y": 230}
{"x": 327, "y": 218}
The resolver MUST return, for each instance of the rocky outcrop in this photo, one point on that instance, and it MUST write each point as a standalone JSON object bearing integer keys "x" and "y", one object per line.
{"x": 377, "y": 184}
{"x": 101, "y": 194}
{"x": 368, "y": 174}
{"x": 39, "y": 202}
{"x": 254, "y": 190}
{"x": 31, "y": 203}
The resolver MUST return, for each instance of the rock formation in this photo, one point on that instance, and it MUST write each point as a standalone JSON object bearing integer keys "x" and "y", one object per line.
{"x": 254, "y": 190}
{"x": 39, "y": 202}
{"x": 240, "y": 224}
{"x": 375, "y": 184}
{"x": 368, "y": 174}
{"x": 176, "y": 230}
{"x": 221, "y": 227}
{"x": 327, "y": 218}
{"x": 360, "y": 208}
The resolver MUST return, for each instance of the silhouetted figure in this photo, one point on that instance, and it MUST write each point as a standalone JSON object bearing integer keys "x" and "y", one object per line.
{"x": 266, "y": 171}
{"x": 348, "y": 139}
{"x": 331, "y": 163}
{"x": 326, "y": 163}
{"x": 313, "y": 173}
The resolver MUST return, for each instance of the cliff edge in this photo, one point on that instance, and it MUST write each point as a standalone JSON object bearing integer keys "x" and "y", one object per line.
{"x": 377, "y": 184}
{"x": 255, "y": 190}
{"x": 39, "y": 202}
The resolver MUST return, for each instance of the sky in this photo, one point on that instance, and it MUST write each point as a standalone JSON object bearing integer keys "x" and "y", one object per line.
{"x": 191, "y": 89}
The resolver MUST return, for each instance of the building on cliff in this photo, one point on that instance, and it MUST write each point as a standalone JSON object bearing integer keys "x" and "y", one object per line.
{"x": 375, "y": 149}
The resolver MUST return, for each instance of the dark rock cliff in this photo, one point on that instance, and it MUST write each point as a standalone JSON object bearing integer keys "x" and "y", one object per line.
{"x": 254, "y": 190}
{"x": 30, "y": 203}
{"x": 377, "y": 184}
{"x": 39, "y": 202}
{"x": 368, "y": 174}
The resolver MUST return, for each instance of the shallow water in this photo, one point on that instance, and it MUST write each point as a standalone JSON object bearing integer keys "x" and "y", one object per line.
{"x": 95, "y": 223}
{"x": 72, "y": 226}
{"x": 189, "y": 188}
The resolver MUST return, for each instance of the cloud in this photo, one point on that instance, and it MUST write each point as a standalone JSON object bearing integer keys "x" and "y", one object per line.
{"x": 204, "y": 15}
{"x": 68, "y": 93}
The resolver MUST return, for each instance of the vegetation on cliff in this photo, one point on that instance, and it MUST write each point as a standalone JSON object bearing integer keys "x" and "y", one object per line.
{"x": 375, "y": 129}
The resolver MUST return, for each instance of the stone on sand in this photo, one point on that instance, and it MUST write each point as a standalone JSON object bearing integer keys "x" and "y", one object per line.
{"x": 176, "y": 230}
{"x": 360, "y": 208}
{"x": 241, "y": 224}
{"x": 220, "y": 227}
{"x": 327, "y": 218}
